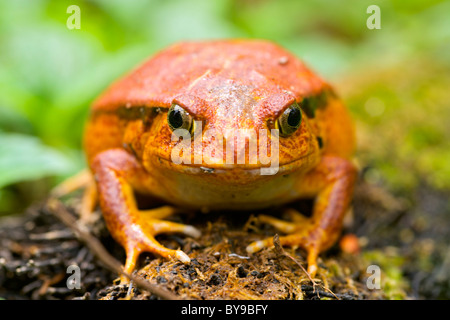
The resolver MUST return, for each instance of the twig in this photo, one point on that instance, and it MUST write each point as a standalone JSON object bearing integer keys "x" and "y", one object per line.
{"x": 280, "y": 251}
{"x": 81, "y": 232}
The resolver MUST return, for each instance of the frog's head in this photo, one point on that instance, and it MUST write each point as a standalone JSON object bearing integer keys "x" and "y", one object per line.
{"x": 225, "y": 107}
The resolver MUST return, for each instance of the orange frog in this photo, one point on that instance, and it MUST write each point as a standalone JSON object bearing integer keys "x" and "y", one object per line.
{"x": 229, "y": 86}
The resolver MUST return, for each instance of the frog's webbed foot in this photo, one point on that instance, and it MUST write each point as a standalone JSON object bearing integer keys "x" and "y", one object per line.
{"x": 118, "y": 175}
{"x": 301, "y": 232}
{"x": 83, "y": 179}
{"x": 140, "y": 236}
{"x": 332, "y": 184}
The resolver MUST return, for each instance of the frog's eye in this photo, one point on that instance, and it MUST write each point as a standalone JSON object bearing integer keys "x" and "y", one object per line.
{"x": 289, "y": 121}
{"x": 178, "y": 118}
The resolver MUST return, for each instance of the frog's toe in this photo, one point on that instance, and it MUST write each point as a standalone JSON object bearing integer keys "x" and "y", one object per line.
{"x": 295, "y": 216}
{"x": 88, "y": 203}
{"x": 149, "y": 244}
{"x": 283, "y": 226}
{"x": 161, "y": 226}
{"x": 154, "y": 227}
{"x": 259, "y": 245}
{"x": 312, "y": 261}
{"x": 159, "y": 213}
{"x": 297, "y": 224}
{"x": 142, "y": 239}
{"x": 301, "y": 239}
{"x": 89, "y": 200}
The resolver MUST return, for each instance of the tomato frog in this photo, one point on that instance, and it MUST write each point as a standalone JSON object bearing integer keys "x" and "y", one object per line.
{"x": 227, "y": 86}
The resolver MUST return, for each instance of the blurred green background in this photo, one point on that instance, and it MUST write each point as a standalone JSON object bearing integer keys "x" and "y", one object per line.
{"x": 395, "y": 79}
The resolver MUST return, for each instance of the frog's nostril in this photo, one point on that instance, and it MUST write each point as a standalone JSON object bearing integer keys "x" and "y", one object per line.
{"x": 236, "y": 146}
{"x": 241, "y": 146}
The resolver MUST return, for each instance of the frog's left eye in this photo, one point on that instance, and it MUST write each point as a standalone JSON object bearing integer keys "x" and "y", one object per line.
{"x": 178, "y": 118}
{"x": 289, "y": 121}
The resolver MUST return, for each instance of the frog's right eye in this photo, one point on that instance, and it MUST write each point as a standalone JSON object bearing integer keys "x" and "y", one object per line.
{"x": 178, "y": 118}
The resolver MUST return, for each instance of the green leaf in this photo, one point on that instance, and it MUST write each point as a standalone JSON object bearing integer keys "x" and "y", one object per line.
{"x": 25, "y": 157}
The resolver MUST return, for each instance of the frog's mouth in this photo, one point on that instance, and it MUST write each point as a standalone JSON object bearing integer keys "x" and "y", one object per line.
{"x": 302, "y": 163}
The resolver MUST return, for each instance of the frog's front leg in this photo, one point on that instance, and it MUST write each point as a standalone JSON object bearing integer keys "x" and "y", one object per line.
{"x": 117, "y": 175}
{"x": 331, "y": 183}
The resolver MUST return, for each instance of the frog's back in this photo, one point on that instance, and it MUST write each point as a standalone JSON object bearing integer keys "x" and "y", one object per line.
{"x": 175, "y": 70}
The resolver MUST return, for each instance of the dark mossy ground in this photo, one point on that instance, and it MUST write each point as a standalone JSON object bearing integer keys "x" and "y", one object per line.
{"x": 406, "y": 238}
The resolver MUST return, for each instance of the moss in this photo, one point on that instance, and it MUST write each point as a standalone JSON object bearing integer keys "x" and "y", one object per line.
{"x": 393, "y": 284}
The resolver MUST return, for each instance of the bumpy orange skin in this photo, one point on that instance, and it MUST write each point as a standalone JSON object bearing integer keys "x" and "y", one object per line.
{"x": 232, "y": 84}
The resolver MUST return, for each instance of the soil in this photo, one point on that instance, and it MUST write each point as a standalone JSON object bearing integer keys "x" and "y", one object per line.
{"x": 405, "y": 237}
